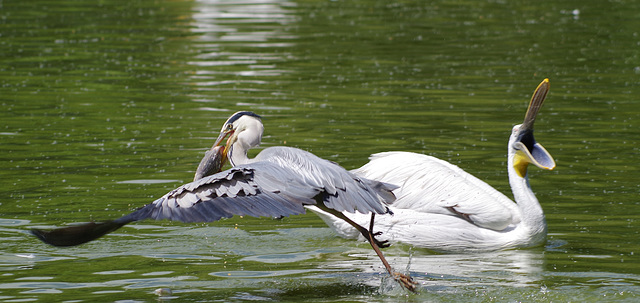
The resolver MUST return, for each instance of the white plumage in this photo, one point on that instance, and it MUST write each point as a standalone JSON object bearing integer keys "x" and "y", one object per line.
{"x": 443, "y": 208}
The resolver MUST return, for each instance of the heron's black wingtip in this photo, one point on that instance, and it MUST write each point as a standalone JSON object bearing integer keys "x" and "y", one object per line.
{"x": 77, "y": 234}
{"x": 40, "y": 234}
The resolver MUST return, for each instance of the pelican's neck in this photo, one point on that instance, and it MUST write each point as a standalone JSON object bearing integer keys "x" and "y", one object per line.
{"x": 531, "y": 211}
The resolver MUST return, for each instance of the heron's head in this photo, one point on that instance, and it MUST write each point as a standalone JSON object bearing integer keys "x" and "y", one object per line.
{"x": 522, "y": 145}
{"x": 244, "y": 128}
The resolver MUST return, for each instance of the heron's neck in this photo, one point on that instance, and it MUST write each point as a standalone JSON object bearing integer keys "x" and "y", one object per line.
{"x": 237, "y": 154}
{"x": 531, "y": 211}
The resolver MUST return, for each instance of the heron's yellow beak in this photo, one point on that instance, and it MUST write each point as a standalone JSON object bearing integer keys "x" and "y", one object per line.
{"x": 225, "y": 150}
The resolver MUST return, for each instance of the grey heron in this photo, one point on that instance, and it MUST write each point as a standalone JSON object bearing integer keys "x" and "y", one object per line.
{"x": 278, "y": 182}
{"x": 443, "y": 208}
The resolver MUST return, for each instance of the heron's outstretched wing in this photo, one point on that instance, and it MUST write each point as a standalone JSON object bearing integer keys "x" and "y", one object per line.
{"x": 260, "y": 189}
{"x": 256, "y": 190}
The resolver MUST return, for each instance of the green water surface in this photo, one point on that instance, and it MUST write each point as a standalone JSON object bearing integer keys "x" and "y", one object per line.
{"x": 107, "y": 105}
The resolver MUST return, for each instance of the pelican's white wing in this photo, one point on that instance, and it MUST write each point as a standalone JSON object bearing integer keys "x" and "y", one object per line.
{"x": 431, "y": 185}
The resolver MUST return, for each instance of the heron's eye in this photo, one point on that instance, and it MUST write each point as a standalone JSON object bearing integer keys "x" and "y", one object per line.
{"x": 229, "y": 127}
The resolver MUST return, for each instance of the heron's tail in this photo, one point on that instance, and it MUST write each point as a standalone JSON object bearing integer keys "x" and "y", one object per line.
{"x": 78, "y": 234}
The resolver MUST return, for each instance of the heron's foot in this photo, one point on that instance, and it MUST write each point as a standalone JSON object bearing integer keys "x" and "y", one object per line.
{"x": 381, "y": 244}
{"x": 405, "y": 281}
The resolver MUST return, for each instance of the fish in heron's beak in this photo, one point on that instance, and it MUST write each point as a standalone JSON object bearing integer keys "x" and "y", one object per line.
{"x": 212, "y": 162}
{"x": 215, "y": 158}
{"x": 528, "y": 151}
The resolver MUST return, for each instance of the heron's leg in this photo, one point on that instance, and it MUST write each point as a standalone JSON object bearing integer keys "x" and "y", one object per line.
{"x": 384, "y": 243}
{"x": 366, "y": 233}
{"x": 404, "y": 280}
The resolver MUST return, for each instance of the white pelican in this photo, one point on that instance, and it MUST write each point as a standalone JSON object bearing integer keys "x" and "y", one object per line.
{"x": 443, "y": 208}
{"x": 279, "y": 181}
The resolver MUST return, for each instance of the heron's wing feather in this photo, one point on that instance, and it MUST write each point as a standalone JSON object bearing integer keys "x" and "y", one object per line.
{"x": 237, "y": 191}
{"x": 339, "y": 189}
{"x": 258, "y": 190}
{"x": 431, "y": 185}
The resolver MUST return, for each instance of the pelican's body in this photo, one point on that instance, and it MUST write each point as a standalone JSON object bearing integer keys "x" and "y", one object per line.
{"x": 430, "y": 223}
{"x": 443, "y": 208}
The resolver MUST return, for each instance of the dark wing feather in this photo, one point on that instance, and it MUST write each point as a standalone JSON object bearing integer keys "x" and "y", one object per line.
{"x": 250, "y": 190}
{"x": 236, "y": 191}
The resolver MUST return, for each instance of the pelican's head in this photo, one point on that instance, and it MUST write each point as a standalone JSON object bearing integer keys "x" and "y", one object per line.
{"x": 244, "y": 130}
{"x": 523, "y": 147}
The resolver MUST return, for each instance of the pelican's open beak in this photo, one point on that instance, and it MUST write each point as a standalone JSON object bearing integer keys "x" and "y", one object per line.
{"x": 528, "y": 151}
{"x": 536, "y": 154}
